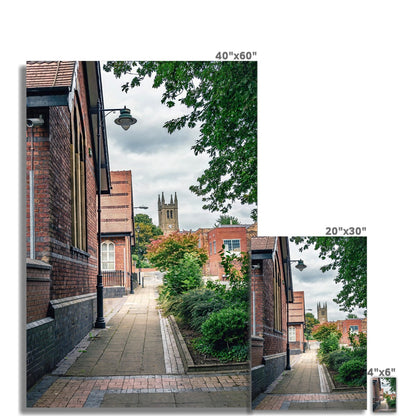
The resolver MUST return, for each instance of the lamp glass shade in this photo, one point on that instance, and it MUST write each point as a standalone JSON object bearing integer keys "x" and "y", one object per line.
{"x": 125, "y": 119}
{"x": 301, "y": 265}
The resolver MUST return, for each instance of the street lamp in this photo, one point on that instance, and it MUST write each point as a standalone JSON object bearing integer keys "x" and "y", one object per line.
{"x": 125, "y": 120}
{"x": 300, "y": 266}
{"x": 138, "y": 252}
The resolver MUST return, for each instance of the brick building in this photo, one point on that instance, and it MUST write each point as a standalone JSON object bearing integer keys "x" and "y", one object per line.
{"x": 272, "y": 291}
{"x": 61, "y": 227}
{"x": 235, "y": 238}
{"x": 297, "y": 323}
{"x": 353, "y": 325}
{"x": 117, "y": 234}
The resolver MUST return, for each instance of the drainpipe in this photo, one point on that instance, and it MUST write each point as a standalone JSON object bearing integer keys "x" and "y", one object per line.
{"x": 32, "y": 122}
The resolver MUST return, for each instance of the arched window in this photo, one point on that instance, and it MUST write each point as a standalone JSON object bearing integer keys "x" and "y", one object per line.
{"x": 108, "y": 256}
{"x": 292, "y": 334}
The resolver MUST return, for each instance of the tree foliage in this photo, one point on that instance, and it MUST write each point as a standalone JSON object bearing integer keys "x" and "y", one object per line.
{"x": 348, "y": 256}
{"x": 167, "y": 251}
{"x": 323, "y": 331}
{"x": 147, "y": 232}
{"x": 310, "y": 322}
{"x": 226, "y": 220}
{"x": 222, "y": 98}
{"x": 392, "y": 383}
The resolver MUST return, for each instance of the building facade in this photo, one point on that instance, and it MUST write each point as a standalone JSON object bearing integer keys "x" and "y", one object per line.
{"x": 297, "y": 323}
{"x": 168, "y": 214}
{"x": 351, "y": 325}
{"x": 61, "y": 226}
{"x": 272, "y": 292}
{"x": 117, "y": 234}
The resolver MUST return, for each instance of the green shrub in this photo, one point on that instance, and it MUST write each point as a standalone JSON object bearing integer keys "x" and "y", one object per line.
{"x": 391, "y": 401}
{"x": 359, "y": 353}
{"x": 353, "y": 372}
{"x": 184, "y": 276}
{"x": 196, "y": 305}
{"x": 235, "y": 353}
{"x": 226, "y": 328}
{"x": 335, "y": 359}
{"x": 330, "y": 343}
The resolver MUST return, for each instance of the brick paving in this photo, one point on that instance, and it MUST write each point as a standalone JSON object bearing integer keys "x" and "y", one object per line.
{"x": 226, "y": 390}
{"x": 134, "y": 362}
{"x": 305, "y": 388}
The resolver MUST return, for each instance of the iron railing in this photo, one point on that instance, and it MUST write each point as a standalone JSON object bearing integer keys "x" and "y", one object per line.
{"x": 116, "y": 278}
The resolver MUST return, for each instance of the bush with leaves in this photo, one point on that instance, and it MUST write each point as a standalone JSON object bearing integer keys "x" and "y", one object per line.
{"x": 225, "y": 330}
{"x": 196, "y": 305}
{"x": 184, "y": 276}
{"x": 330, "y": 343}
{"x": 353, "y": 372}
{"x": 391, "y": 401}
{"x": 335, "y": 359}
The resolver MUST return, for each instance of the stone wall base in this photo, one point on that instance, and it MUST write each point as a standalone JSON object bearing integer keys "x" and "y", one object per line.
{"x": 263, "y": 375}
{"x": 48, "y": 340}
{"x": 114, "y": 291}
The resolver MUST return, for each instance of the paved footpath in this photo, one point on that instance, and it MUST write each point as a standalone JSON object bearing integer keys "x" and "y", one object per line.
{"x": 305, "y": 387}
{"x": 134, "y": 362}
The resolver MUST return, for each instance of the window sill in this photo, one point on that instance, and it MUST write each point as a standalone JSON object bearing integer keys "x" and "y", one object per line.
{"x": 79, "y": 251}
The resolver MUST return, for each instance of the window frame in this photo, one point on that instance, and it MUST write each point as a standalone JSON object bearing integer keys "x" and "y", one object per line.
{"x": 231, "y": 245}
{"x": 292, "y": 333}
{"x": 355, "y": 331}
{"x": 107, "y": 261}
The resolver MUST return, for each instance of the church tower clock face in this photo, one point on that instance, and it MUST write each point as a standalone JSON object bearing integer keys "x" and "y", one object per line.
{"x": 168, "y": 214}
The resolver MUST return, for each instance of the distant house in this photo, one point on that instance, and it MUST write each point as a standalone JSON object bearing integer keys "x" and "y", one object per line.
{"x": 272, "y": 292}
{"x": 297, "y": 323}
{"x": 235, "y": 238}
{"x": 117, "y": 234}
{"x": 354, "y": 325}
{"x": 61, "y": 226}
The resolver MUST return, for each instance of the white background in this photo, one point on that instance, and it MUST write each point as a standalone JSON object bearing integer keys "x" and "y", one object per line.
{"x": 337, "y": 102}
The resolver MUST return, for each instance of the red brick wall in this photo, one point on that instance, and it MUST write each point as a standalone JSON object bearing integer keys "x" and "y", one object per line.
{"x": 73, "y": 272}
{"x": 344, "y": 327}
{"x": 37, "y": 293}
{"x": 122, "y": 248}
{"x": 298, "y": 344}
{"x": 262, "y": 286}
{"x": 219, "y": 235}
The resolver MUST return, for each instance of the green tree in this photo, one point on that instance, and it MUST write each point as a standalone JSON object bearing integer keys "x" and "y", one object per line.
{"x": 352, "y": 316}
{"x": 323, "y": 331}
{"x": 392, "y": 383}
{"x": 147, "y": 232}
{"x": 167, "y": 251}
{"x": 222, "y": 98}
{"x": 226, "y": 220}
{"x": 310, "y": 322}
{"x": 348, "y": 256}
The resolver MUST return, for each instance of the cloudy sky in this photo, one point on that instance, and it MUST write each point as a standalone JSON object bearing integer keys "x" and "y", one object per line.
{"x": 159, "y": 161}
{"x": 318, "y": 286}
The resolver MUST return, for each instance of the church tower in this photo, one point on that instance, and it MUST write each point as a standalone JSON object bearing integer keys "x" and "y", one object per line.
{"x": 168, "y": 214}
{"x": 322, "y": 312}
